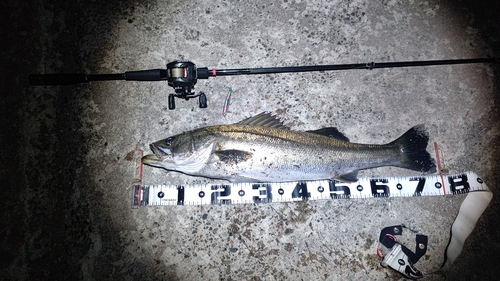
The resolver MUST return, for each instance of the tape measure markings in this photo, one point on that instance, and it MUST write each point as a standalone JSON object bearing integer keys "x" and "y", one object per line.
{"x": 244, "y": 193}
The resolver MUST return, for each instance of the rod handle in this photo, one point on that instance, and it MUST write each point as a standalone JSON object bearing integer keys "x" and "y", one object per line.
{"x": 146, "y": 75}
{"x": 57, "y": 79}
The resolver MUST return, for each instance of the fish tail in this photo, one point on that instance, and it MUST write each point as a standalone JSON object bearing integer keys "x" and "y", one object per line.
{"x": 413, "y": 148}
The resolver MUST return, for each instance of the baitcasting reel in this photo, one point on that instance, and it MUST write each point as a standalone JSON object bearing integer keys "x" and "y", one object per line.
{"x": 182, "y": 76}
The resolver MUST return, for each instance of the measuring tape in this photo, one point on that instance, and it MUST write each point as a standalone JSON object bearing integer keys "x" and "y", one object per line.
{"x": 395, "y": 255}
{"x": 244, "y": 193}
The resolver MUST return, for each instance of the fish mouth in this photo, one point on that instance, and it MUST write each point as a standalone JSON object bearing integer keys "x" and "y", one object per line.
{"x": 159, "y": 154}
{"x": 150, "y": 159}
{"x": 159, "y": 151}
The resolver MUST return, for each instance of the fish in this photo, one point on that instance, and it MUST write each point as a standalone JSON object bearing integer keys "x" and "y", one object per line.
{"x": 263, "y": 149}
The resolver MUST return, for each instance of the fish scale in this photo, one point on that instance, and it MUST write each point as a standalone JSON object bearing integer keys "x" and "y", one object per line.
{"x": 283, "y": 151}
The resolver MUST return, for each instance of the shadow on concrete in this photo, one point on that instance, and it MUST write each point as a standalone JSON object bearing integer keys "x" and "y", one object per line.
{"x": 50, "y": 205}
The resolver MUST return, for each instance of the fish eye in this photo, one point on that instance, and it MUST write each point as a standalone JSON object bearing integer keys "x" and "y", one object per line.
{"x": 170, "y": 140}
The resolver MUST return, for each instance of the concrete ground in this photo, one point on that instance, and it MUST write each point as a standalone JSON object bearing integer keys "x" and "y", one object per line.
{"x": 68, "y": 153}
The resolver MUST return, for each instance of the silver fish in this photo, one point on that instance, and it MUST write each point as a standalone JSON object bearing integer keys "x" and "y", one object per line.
{"x": 262, "y": 149}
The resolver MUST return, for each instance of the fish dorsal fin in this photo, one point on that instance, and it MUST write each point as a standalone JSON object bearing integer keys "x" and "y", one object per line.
{"x": 330, "y": 132}
{"x": 263, "y": 119}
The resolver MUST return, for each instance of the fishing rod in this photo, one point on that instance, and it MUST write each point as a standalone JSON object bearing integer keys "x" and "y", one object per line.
{"x": 183, "y": 75}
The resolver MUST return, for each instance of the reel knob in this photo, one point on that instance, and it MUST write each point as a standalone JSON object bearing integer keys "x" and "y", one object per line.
{"x": 171, "y": 101}
{"x": 203, "y": 100}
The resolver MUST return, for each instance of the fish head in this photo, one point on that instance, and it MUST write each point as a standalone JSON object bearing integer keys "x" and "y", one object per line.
{"x": 187, "y": 152}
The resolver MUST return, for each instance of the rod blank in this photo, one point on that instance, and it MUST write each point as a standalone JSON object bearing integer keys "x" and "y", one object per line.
{"x": 370, "y": 65}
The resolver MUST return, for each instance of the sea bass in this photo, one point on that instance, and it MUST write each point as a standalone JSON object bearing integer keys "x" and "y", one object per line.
{"x": 262, "y": 149}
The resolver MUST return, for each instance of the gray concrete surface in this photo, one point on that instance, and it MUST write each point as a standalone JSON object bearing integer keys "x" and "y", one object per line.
{"x": 68, "y": 152}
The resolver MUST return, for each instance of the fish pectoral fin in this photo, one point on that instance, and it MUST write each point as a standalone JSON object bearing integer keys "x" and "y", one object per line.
{"x": 233, "y": 156}
{"x": 349, "y": 177}
{"x": 331, "y": 132}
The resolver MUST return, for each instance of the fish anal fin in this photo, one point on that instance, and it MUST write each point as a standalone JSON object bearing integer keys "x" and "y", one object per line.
{"x": 349, "y": 177}
{"x": 263, "y": 119}
{"x": 232, "y": 156}
{"x": 330, "y": 132}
